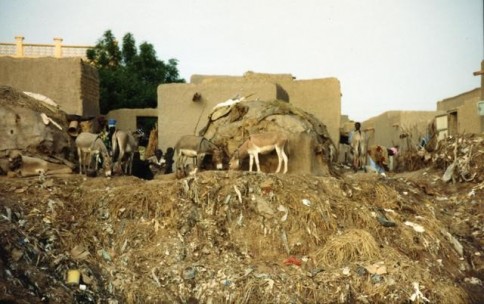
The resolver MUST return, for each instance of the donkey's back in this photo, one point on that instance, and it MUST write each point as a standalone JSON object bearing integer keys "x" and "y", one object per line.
{"x": 191, "y": 145}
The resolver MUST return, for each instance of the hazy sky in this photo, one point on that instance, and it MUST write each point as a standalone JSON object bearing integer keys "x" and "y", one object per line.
{"x": 387, "y": 54}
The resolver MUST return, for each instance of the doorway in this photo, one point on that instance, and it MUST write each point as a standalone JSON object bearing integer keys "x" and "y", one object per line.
{"x": 453, "y": 123}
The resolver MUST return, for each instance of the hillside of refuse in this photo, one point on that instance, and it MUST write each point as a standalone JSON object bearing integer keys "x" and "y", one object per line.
{"x": 240, "y": 237}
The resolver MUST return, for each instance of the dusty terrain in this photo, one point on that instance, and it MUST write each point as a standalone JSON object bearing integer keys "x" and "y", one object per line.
{"x": 239, "y": 237}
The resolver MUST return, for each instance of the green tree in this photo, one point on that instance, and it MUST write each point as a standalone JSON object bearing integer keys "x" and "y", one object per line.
{"x": 129, "y": 76}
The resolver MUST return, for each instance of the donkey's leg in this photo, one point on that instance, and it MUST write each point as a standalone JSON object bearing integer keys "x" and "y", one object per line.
{"x": 256, "y": 156}
{"x": 279, "y": 159}
{"x": 79, "y": 153}
{"x": 251, "y": 162}
{"x": 122, "y": 164}
{"x": 131, "y": 156}
{"x": 284, "y": 156}
{"x": 96, "y": 159}
{"x": 197, "y": 160}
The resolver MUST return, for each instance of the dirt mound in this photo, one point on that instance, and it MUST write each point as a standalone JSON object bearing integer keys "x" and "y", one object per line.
{"x": 240, "y": 238}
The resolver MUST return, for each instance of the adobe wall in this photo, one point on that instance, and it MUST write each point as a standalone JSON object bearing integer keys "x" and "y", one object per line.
{"x": 178, "y": 114}
{"x": 70, "y": 82}
{"x": 126, "y": 118}
{"x": 449, "y": 104}
{"x": 320, "y": 97}
{"x": 388, "y": 127}
{"x": 468, "y": 119}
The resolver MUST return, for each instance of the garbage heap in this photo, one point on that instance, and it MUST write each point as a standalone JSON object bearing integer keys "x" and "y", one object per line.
{"x": 460, "y": 157}
{"x": 236, "y": 237}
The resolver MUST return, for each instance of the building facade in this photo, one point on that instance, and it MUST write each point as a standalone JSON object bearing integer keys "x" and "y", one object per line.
{"x": 462, "y": 114}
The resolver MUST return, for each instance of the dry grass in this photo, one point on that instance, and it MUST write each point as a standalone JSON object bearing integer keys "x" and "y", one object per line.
{"x": 351, "y": 246}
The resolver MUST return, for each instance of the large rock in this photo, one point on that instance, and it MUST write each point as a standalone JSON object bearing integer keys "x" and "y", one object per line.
{"x": 309, "y": 144}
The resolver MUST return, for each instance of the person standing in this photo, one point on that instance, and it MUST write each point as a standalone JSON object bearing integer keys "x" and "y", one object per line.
{"x": 357, "y": 143}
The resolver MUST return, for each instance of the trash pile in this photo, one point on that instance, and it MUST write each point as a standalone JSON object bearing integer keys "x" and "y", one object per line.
{"x": 239, "y": 237}
{"x": 461, "y": 157}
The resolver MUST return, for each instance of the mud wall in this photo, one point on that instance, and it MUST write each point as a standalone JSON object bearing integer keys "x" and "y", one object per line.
{"x": 320, "y": 97}
{"x": 70, "y": 82}
{"x": 390, "y": 125}
{"x": 126, "y": 118}
{"x": 180, "y": 115}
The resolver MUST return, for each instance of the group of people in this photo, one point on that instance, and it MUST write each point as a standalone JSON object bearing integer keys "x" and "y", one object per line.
{"x": 377, "y": 156}
{"x": 161, "y": 164}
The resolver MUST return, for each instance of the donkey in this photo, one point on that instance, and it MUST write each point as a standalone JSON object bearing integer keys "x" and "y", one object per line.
{"x": 89, "y": 145}
{"x": 196, "y": 147}
{"x": 125, "y": 144}
{"x": 261, "y": 143}
{"x": 24, "y": 166}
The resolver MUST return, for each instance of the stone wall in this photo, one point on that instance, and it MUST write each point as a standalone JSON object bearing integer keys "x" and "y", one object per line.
{"x": 70, "y": 82}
